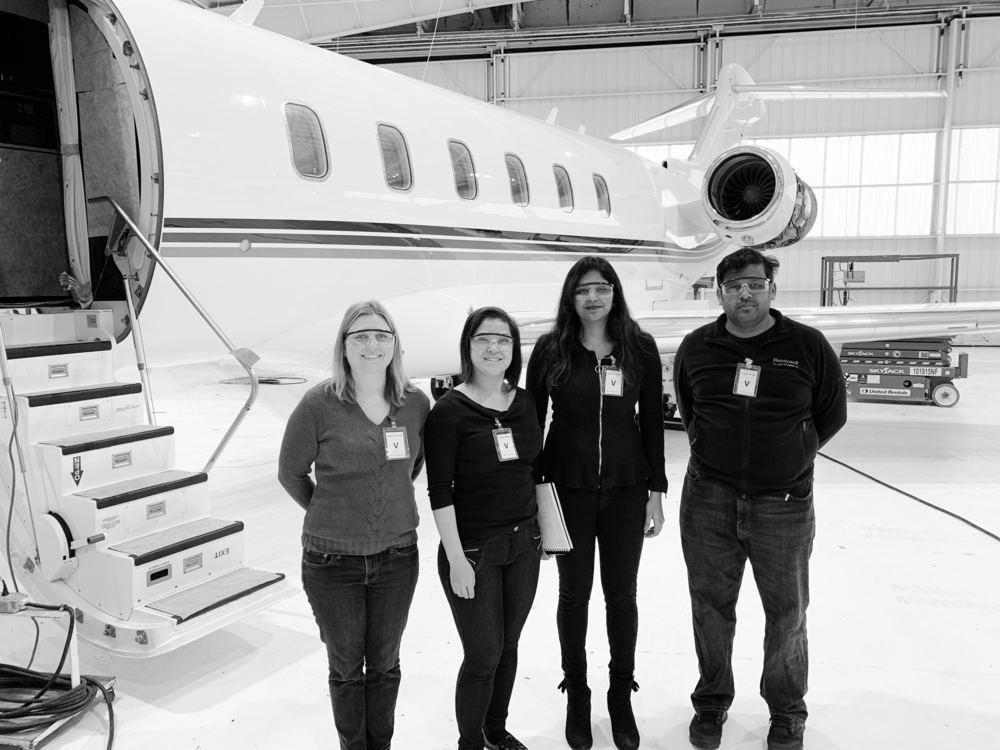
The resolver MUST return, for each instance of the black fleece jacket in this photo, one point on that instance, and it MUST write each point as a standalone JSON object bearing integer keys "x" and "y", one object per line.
{"x": 767, "y": 443}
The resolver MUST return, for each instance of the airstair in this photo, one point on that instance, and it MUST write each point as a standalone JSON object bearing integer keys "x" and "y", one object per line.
{"x": 100, "y": 517}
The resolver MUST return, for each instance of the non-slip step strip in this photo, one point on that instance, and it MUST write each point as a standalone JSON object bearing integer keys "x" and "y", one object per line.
{"x": 86, "y": 393}
{"x": 214, "y": 593}
{"x": 108, "y": 438}
{"x": 159, "y": 483}
{"x": 27, "y": 351}
{"x": 160, "y": 544}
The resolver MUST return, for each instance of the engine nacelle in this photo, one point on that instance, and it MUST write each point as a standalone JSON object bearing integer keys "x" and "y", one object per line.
{"x": 756, "y": 200}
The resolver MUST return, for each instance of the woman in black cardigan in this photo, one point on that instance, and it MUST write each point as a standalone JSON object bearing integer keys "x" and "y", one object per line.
{"x": 596, "y": 366}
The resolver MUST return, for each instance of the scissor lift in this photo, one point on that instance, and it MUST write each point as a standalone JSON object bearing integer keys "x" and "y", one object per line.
{"x": 915, "y": 370}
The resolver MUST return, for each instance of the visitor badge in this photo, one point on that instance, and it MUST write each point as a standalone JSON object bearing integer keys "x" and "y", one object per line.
{"x": 611, "y": 382}
{"x": 747, "y": 378}
{"x": 397, "y": 447}
{"x": 504, "y": 440}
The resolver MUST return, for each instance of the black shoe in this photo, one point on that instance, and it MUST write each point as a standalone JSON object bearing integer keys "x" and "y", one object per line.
{"x": 623, "y": 729}
{"x": 705, "y": 732}
{"x": 510, "y": 742}
{"x": 578, "y": 732}
{"x": 785, "y": 734}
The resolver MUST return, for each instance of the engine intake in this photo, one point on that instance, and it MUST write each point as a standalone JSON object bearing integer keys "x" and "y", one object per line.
{"x": 756, "y": 200}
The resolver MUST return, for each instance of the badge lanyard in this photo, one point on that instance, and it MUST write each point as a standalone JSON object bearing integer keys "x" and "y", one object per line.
{"x": 503, "y": 438}
{"x": 397, "y": 447}
{"x": 611, "y": 378}
{"x": 747, "y": 379}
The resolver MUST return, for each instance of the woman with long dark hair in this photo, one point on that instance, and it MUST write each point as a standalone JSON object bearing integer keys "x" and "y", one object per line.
{"x": 597, "y": 367}
{"x": 483, "y": 440}
{"x": 362, "y": 432}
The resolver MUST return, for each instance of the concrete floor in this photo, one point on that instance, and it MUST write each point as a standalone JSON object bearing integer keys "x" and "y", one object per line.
{"x": 903, "y": 624}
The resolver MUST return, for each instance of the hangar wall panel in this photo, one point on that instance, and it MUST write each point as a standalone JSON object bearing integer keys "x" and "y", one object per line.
{"x": 469, "y": 77}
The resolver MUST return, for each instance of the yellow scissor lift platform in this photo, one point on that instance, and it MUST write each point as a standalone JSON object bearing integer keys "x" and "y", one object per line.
{"x": 915, "y": 370}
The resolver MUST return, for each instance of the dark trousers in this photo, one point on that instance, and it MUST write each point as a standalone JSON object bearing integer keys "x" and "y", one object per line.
{"x": 611, "y": 519}
{"x": 720, "y": 530}
{"x": 489, "y": 626}
{"x": 361, "y": 603}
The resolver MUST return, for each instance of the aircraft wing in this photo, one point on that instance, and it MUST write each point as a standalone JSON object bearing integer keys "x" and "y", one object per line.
{"x": 839, "y": 324}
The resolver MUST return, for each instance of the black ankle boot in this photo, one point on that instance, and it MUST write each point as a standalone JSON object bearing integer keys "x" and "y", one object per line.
{"x": 623, "y": 729}
{"x": 578, "y": 733}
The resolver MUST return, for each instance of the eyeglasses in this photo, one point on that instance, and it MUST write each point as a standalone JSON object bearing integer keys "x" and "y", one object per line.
{"x": 483, "y": 342}
{"x": 365, "y": 336}
{"x": 600, "y": 289}
{"x": 754, "y": 285}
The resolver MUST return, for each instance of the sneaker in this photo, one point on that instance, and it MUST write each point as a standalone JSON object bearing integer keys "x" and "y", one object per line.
{"x": 510, "y": 742}
{"x": 785, "y": 734}
{"x": 705, "y": 732}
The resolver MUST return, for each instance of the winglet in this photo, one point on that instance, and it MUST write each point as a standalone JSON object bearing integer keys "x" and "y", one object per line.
{"x": 551, "y": 119}
{"x": 247, "y": 13}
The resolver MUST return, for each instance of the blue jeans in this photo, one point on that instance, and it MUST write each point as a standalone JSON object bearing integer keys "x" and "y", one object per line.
{"x": 361, "y": 603}
{"x": 720, "y": 530}
{"x": 489, "y": 626}
{"x": 612, "y": 519}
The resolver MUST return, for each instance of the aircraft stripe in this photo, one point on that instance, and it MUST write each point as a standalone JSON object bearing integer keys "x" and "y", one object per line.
{"x": 366, "y": 228}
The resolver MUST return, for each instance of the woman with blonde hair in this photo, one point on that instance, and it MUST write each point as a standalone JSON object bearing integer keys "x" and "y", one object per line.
{"x": 362, "y": 430}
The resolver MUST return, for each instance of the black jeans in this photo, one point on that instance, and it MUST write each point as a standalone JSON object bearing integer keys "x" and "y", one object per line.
{"x": 613, "y": 519}
{"x": 361, "y": 603}
{"x": 720, "y": 530}
{"x": 489, "y": 626}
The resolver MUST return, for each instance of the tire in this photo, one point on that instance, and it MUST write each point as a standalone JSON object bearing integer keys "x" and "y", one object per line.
{"x": 945, "y": 394}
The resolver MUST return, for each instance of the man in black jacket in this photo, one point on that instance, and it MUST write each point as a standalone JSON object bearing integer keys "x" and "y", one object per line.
{"x": 759, "y": 394}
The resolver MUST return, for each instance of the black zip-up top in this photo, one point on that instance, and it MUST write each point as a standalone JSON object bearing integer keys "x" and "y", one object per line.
{"x": 596, "y": 441}
{"x": 766, "y": 443}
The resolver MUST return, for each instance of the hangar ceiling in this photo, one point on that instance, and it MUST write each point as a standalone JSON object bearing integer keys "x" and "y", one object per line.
{"x": 399, "y": 29}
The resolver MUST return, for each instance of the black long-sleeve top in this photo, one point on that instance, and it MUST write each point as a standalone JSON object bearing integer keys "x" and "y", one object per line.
{"x": 490, "y": 496}
{"x": 767, "y": 443}
{"x": 597, "y": 441}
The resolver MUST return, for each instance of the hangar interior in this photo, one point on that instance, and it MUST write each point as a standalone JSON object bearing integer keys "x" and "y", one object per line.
{"x": 906, "y": 603}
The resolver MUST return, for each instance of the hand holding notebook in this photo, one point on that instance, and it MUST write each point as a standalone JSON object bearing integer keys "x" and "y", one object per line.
{"x": 555, "y": 536}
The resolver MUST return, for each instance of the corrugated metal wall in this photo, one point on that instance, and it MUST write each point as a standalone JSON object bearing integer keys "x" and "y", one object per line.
{"x": 606, "y": 90}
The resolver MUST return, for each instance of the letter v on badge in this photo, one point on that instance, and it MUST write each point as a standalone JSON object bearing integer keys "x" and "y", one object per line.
{"x": 747, "y": 378}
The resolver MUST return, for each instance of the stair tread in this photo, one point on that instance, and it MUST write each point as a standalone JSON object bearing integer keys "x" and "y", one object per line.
{"x": 108, "y": 438}
{"x": 27, "y": 351}
{"x": 80, "y": 393}
{"x": 214, "y": 593}
{"x": 176, "y": 535}
{"x": 139, "y": 487}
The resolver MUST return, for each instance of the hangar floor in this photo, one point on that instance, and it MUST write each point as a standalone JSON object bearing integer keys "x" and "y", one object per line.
{"x": 906, "y": 604}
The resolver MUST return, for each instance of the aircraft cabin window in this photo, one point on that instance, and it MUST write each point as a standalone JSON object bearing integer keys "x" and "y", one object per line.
{"x": 518, "y": 180}
{"x": 305, "y": 135}
{"x": 464, "y": 169}
{"x": 565, "y": 188}
{"x": 603, "y": 196}
{"x": 395, "y": 158}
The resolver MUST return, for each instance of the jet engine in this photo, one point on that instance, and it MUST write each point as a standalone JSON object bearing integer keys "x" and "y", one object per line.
{"x": 756, "y": 200}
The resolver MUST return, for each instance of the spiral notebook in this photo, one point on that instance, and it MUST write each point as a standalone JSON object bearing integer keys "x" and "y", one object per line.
{"x": 555, "y": 536}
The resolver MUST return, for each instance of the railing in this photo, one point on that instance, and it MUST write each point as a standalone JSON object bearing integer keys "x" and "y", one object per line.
{"x": 245, "y": 357}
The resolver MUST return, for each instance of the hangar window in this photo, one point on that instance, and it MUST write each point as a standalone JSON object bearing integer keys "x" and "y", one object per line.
{"x": 564, "y": 186}
{"x": 305, "y": 136}
{"x": 518, "y": 180}
{"x": 395, "y": 158}
{"x": 603, "y": 197}
{"x": 464, "y": 170}
{"x": 973, "y": 204}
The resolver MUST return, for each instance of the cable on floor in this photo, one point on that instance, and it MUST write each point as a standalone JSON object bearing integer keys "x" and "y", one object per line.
{"x": 267, "y": 380}
{"x": 66, "y": 701}
{"x": 966, "y": 521}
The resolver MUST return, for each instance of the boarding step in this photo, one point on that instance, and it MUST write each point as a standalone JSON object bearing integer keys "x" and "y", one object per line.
{"x": 67, "y": 325}
{"x": 124, "y": 575}
{"x": 134, "y": 506}
{"x": 35, "y": 367}
{"x": 215, "y": 593}
{"x": 43, "y": 415}
{"x": 69, "y": 464}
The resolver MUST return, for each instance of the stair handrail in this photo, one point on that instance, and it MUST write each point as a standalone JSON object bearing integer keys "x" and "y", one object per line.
{"x": 246, "y": 357}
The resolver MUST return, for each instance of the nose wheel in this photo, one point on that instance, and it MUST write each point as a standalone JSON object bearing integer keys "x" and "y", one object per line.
{"x": 945, "y": 395}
